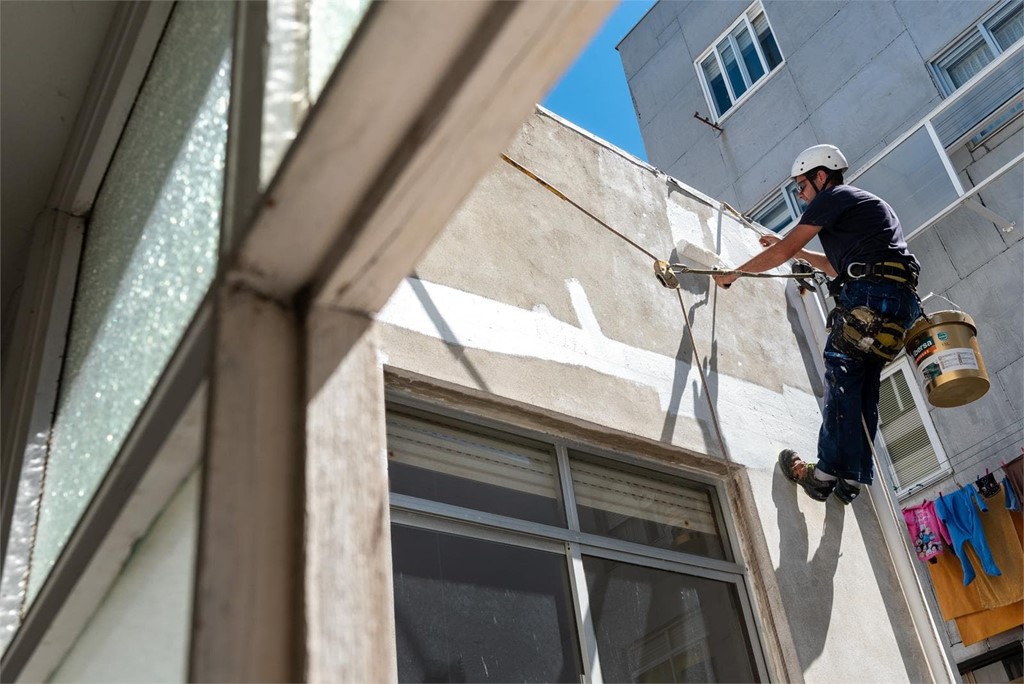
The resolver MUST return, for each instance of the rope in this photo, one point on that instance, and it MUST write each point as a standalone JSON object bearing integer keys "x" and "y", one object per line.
{"x": 557, "y": 193}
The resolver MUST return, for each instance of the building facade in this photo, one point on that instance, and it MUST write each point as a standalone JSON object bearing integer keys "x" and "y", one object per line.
{"x": 925, "y": 100}
{"x": 308, "y": 382}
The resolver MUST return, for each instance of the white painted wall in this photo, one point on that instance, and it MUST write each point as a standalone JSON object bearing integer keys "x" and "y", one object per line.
{"x": 527, "y": 299}
{"x": 140, "y": 632}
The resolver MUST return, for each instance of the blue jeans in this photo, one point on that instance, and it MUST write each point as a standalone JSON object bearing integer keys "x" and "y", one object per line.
{"x": 852, "y": 383}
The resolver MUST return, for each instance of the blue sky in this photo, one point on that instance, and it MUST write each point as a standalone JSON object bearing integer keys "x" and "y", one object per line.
{"x": 593, "y": 93}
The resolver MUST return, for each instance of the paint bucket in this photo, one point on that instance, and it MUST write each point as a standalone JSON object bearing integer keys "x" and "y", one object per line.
{"x": 944, "y": 348}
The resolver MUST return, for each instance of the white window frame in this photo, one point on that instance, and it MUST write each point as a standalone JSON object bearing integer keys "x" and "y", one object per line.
{"x": 787, "y": 194}
{"x": 420, "y": 513}
{"x": 744, "y": 19}
{"x": 903, "y": 490}
{"x": 978, "y": 34}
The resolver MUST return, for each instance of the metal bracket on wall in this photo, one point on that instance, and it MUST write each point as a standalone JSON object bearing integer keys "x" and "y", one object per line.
{"x": 978, "y": 208}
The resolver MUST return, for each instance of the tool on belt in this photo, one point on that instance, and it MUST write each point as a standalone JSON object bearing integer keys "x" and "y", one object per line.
{"x": 864, "y": 331}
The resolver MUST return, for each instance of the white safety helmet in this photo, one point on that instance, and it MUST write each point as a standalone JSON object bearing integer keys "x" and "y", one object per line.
{"x": 828, "y": 156}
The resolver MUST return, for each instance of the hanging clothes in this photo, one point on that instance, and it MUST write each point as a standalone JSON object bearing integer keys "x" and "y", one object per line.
{"x": 987, "y": 623}
{"x": 961, "y": 518}
{"x": 1012, "y": 500}
{"x": 1001, "y": 536}
{"x": 987, "y": 485}
{"x": 1015, "y": 474}
{"x": 926, "y": 530}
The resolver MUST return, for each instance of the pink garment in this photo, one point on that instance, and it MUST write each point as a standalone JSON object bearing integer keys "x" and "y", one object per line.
{"x": 925, "y": 527}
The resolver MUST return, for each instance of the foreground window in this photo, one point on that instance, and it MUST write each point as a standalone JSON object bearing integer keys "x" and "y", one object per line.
{"x": 517, "y": 559}
{"x": 741, "y": 57}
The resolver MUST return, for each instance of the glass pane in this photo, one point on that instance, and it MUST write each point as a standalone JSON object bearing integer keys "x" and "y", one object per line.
{"x": 468, "y": 610}
{"x": 971, "y": 63}
{"x": 732, "y": 68}
{"x": 749, "y": 53}
{"x": 658, "y": 626}
{"x": 305, "y": 40}
{"x": 1010, "y": 29}
{"x": 912, "y": 179}
{"x": 716, "y": 84}
{"x": 775, "y": 216}
{"x": 149, "y": 257}
{"x": 665, "y": 512}
{"x": 467, "y": 468}
{"x": 767, "y": 40}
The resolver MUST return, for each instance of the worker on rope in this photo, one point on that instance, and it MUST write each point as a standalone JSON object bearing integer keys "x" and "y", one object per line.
{"x": 874, "y": 280}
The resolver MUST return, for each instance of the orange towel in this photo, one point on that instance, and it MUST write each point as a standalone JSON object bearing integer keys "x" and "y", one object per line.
{"x": 1001, "y": 533}
{"x": 986, "y": 623}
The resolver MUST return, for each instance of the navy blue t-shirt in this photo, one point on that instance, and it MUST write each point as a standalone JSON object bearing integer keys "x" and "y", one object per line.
{"x": 857, "y": 226}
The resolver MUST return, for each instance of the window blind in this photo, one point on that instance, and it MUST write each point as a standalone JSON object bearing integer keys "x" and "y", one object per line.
{"x": 471, "y": 456}
{"x": 634, "y": 496}
{"x": 910, "y": 450}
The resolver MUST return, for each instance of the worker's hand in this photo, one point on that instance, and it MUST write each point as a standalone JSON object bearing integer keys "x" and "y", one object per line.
{"x": 725, "y": 280}
{"x": 768, "y": 240}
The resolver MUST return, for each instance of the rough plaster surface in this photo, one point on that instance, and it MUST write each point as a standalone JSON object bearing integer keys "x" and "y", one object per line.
{"x": 551, "y": 314}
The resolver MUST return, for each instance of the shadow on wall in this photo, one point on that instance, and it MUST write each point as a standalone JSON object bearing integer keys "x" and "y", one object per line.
{"x": 685, "y": 359}
{"x": 447, "y": 334}
{"x": 808, "y": 585}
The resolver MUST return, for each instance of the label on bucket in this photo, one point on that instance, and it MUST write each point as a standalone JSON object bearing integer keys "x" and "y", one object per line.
{"x": 948, "y": 361}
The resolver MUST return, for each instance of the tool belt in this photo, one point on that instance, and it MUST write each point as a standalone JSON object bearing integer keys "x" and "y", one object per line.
{"x": 863, "y": 332}
{"x": 899, "y": 272}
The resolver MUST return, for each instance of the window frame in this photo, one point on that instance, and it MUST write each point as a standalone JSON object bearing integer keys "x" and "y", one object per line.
{"x": 745, "y": 20}
{"x": 978, "y": 34}
{"x": 785, "y": 193}
{"x": 905, "y": 490}
{"x": 439, "y": 517}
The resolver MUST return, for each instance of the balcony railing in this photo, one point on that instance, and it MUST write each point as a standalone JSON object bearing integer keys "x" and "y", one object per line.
{"x": 916, "y": 174}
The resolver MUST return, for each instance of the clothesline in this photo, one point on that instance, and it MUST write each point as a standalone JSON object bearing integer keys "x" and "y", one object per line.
{"x": 990, "y": 452}
{"x": 986, "y": 442}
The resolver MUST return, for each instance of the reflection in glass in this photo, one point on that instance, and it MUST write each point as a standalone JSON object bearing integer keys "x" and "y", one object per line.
{"x": 713, "y": 77}
{"x": 657, "y": 626}
{"x": 666, "y": 513}
{"x": 732, "y": 68}
{"x": 470, "y": 469}
{"x": 767, "y": 40}
{"x": 749, "y": 53}
{"x": 475, "y": 611}
{"x": 149, "y": 256}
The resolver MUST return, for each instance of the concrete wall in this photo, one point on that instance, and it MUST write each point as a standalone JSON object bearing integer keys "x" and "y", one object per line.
{"x": 859, "y": 94}
{"x": 526, "y": 301}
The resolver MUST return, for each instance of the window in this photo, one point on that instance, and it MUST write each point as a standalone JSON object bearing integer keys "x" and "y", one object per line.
{"x": 993, "y": 35}
{"x": 741, "y": 57}
{"x": 522, "y": 559}
{"x": 780, "y": 209}
{"x": 916, "y": 457}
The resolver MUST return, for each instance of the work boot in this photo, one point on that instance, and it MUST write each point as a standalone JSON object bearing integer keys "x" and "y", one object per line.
{"x": 797, "y": 470}
{"x": 846, "y": 491}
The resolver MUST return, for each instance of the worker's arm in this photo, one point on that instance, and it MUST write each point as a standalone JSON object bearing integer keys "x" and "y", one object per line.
{"x": 815, "y": 259}
{"x": 779, "y": 252}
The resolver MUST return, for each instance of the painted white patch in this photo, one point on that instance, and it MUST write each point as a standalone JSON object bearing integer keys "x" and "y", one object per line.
{"x": 756, "y": 421}
{"x": 580, "y": 303}
{"x": 476, "y": 322}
